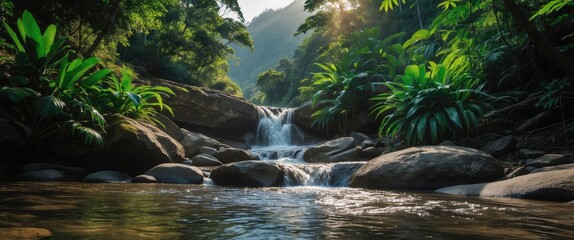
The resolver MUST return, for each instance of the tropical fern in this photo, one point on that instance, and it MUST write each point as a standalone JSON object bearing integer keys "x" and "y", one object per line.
{"x": 428, "y": 106}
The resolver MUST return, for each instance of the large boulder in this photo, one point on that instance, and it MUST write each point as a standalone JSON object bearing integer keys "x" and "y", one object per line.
{"x": 169, "y": 127}
{"x": 209, "y": 108}
{"x": 108, "y": 177}
{"x": 500, "y": 147}
{"x": 192, "y": 143}
{"x": 337, "y": 150}
{"x": 231, "y": 155}
{"x": 555, "y": 185}
{"x": 176, "y": 173}
{"x": 130, "y": 146}
{"x": 44, "y": 175}
{"x": 248, "y": 174}
{"x": 427, "y": 168}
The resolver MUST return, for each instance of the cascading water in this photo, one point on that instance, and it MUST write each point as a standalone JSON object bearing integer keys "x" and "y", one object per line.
{"x": 278, "y": 139}
{"x": 275, "y": 127}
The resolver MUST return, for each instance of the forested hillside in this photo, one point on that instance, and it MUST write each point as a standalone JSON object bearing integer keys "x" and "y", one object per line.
{"x": 272, "y": 34}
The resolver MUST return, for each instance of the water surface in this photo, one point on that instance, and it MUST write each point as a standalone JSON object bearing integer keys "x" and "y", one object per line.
{"x": 166, "y": 211}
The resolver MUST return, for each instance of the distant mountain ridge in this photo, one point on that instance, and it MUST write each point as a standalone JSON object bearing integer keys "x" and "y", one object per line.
{"x": 272, "y": 33}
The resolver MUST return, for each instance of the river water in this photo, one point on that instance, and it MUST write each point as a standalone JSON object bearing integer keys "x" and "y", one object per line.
{"x": 314, "y": 204}
{"x": 168, "y": 211}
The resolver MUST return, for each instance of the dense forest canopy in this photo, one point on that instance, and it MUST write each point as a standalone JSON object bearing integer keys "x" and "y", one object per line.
{"x": 272, "y": 33}
{"x": 186, "y": 41}
{"x": 426, "y": 71}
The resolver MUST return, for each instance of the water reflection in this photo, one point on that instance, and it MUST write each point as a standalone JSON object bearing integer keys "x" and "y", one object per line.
{"x": 164, "y": 211}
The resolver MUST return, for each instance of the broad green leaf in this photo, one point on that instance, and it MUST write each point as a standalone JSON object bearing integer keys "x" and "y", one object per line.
{"x": 462, "y": 111}
{"x": 49, "y": 36}
{"x": 96, "y": 77}
{"x": 49, "y": 106}
{"x": 34, "y": 33}
{"x": 417, "y": 36}
{"x": 126, "y": 84}
{"x": 17, "y": 94}
{"x": 80, "y": 70}
{"x": 453, "y": 116}
{"x": 433, "y": 129}
{"x": 14, "y": 38}
{"x": 136, "y": 99}
{"x": 421, "y": 126}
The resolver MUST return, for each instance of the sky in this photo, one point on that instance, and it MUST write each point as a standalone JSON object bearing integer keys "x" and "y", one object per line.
{"x": 252, "y": 8}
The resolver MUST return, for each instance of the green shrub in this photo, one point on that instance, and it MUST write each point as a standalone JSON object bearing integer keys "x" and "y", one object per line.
{"x": 47, "y": 92}
{"x": 429, "y": 106}
{"x": 134, "y": 101}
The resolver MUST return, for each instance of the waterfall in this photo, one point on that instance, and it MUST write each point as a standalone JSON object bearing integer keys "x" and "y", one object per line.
{"x": 279, "y": 140}
{"x": 275, "y": 127}
{"x": 332, "y": 175}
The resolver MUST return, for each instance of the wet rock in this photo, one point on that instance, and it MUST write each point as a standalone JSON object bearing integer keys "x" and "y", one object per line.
{"x": 427, "y": 168}
{"x": 74, "y": 171}
{"x": 108, "y": 177}
{"x": 249, "y": 139}
{"x": 28, "y": 233}
{"x": 367, "y": 143}
{"x": 324, "y": 153}
{"x": 248, "y": 174}
{"x": 359, "y": 137}
{"x": 447, "y": 143}
{"x": 210, "y": 108}
{"x": 144, "y": 179}
{"x": 548, "y": 160}
{"x": 231, "y": 155}
{"x": 192, "y": 142}
{"x": 342, "y": 172}
{"x": 207, "y": 150}
{"x": 370, "y": 152}
{"x": 349, "y": 155}
{"x": 205, "y": 160}
{"x": 521, "y": 171}
{"x": 500, "y": 147}
{"x": 527, "y": 153}
{"x": 131, "y": 146}
{"x": 176, "y": 173}
{"x": 169, "y": 127}
{"x": 238, "y": 145}
{"x": 550, "y": 185}
{"x": 44, "y": 175}
{"x": 554, "y": 168}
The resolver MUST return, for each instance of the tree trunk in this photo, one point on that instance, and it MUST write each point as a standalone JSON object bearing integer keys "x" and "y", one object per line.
{"x": 540, "y": 41}
{"x": 106, "y": 31}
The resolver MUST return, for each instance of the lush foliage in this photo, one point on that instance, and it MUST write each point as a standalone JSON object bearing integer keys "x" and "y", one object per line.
{"x": 272, "y": 34}
{"x": 429, "y": 106}
{"x": 51, "y": 94}
{"x": 192, "y": 45}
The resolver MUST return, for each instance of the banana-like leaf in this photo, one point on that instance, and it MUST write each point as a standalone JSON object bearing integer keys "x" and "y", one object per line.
{"x": 95, "y": 77}
{"x": 33, "y": 32}
{"x": 135, "y": 98}
{"x": 14, "y": 38}
{"x": 462, "y": 111}
{"x": 453, "y": 116}
{"x": 49, "y": 106}
{"x": 433, "y": 125}
{"x": 90, "y": 136}
{"x": 49, "y": 36}
{"x": 17, "y": 94}
{"x": 81, "y": 69}
{"x": 421, "y": 126}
